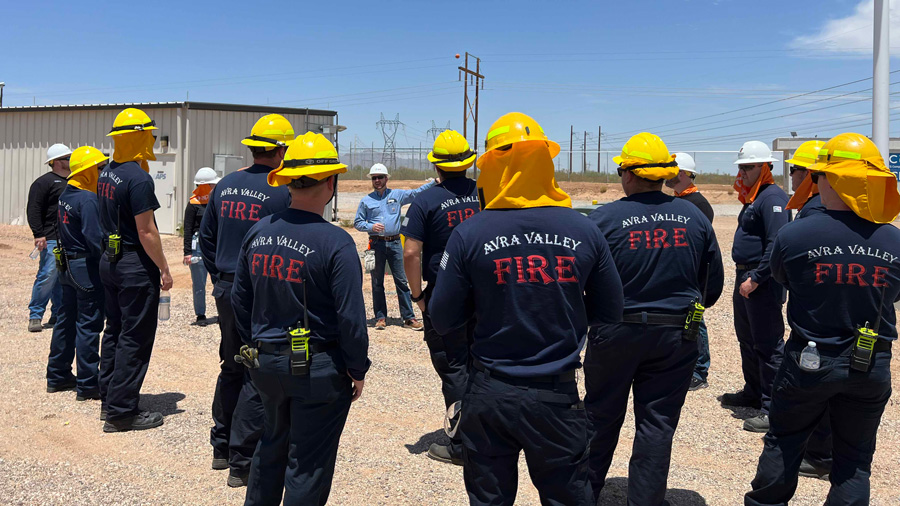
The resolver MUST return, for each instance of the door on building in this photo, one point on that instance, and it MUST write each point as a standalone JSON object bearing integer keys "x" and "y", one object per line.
{"x": 162, "y": 170}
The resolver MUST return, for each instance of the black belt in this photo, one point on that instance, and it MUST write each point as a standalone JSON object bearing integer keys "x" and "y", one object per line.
{"x": 746, "y": 267}
{"x": 226, "y": 276}
{"x": 285, "y": 349}
{"x": 565, "y": 377}
{"x": 77, "y": 255}
{"x": 387, "y": 238}
{"x": 665, "y": 320}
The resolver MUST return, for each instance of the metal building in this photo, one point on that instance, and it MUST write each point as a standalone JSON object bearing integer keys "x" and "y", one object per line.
{"x": 190, "y": 135}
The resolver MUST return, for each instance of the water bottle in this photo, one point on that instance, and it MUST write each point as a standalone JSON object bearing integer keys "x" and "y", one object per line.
{"x": 195, "y": 259}
{"x": 164, "y": 299}
{"x": 809, "y": 357}
{"x": 35, "y": 253}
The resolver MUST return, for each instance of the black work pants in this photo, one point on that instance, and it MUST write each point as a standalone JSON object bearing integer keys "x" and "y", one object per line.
{"x": 305, "y": 416}
{"x": 655, "y": 362}
{"x": 545, "y": 420}
{"x": 854, "y": 401}
{"x": 818, "y": 448}
{"x": 760, "y": 331}
{"x": 131, "y": 288}
{"x": 237, "y": 410}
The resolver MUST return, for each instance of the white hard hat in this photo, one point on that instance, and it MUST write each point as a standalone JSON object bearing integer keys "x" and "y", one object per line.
{"x": 378, "y": 169}
{"x": 686, "y": 162}
{"x": 206, "y": 176}
{"x": 754, "y": 152}
{"x": 57, "y": 151}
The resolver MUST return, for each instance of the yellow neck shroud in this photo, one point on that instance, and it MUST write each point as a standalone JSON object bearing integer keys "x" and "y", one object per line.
{"x": 519, "y": 178}
{"x": 135, "y": 147}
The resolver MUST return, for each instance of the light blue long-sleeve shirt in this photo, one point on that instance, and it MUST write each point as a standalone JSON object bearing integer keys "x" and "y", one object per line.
{"x": 385, "y": 209}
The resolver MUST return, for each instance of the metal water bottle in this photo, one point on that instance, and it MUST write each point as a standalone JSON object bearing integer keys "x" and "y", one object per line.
{"x": 164, "y": 300}
{"x": 809, "y": 357}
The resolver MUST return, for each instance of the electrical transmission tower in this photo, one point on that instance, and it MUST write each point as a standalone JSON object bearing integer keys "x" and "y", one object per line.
{"x": 389, "y": 129}
{"x": 435, "y": 130}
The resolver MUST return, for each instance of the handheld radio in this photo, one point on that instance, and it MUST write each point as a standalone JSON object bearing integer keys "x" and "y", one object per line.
{"x": 864, "y": 345}
{"x": 695, "y": 313}
{"x": 299, "y": 339}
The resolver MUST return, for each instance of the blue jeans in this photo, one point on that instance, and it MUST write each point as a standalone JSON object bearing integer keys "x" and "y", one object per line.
{"x": 198, "y": 284}
{"x": 701, "y": 369}
{"x": 78, "y": 326}
{"x": 390, "y": 251}
{"x": 46, "y": 285}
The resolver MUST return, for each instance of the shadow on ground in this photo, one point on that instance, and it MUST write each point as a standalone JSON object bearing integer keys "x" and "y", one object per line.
{"x": 421, "y": 446}
{"x": 390, "y": 321}
{"x": 739, "y": 413}
{"x": 166, "y": 403}
{"x": 615, "y": 493}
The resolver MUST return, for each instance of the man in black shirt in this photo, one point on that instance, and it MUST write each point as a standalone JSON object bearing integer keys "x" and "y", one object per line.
{"x": 683, "y": 185}
{"x": 43, "y": 198}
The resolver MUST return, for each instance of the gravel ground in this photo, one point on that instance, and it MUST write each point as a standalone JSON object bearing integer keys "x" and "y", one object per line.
{"x": 52, "y": 449}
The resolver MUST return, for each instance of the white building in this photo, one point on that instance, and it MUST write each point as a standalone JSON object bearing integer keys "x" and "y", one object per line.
{"x": 190, "y": 135}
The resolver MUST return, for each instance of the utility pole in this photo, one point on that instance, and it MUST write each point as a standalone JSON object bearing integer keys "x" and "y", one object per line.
{"x": 468, "y": 75}
{"x": 571, "y": 140}
{"x": 881, "y": 58}
{"x": 584, "y": 154}
{"x": 599, "y": 135}
{"x": 389, "y": 129}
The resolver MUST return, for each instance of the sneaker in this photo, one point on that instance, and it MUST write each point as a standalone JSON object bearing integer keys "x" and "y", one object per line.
{"x": 810, "y": 470}
{"x": 219, "y": 463}
{"x": 413, "y": 324}
{"x": 697, "y": 384}
{"x": 34, "y": 325}
{"x": 441, "y": 453}
{"x": 89, "y": 396}
{"x": 740, "y": 400}
{"x": 380, "y": 324}
{"x": 143, "y": 421}
{"x": 238, "y": 480}
{"x": 62, "y": 387}
{"x": 759, "y": 423}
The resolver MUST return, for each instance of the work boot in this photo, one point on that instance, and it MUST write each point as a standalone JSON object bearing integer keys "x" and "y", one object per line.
{"x": 50, "y": 323}
{"x": 740, "y": 400}
{"x": 441, "y": 453}
{"x": 145, "y": 420}
{"x": 237, "y": 480}
{"x": 88, "y": 396}
{"x": 200, "y": 321}
{"x": 380, "y": 324}
{"x": 413, "y": 324}
{"x": 219, "y": 463}
{"x": 34, "y": 325}
{"x": 697, "y": 384}
{"x": 759, "y": 423}
{"x": 810, "y": 470}
{"x": 62, "y": 387}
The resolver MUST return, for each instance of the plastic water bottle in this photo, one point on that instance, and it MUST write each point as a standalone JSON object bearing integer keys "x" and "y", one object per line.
{"x": 35, "y": 253}
{"x": 164, "y": 299}
{"x": 809, "y": 357}
{"x": 195, "y": 259}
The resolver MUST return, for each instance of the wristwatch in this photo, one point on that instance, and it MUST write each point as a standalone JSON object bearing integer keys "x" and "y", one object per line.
{"x": 417, "y": 299}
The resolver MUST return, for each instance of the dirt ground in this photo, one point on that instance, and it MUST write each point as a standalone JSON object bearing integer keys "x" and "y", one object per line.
{"x": 52, "y": 449}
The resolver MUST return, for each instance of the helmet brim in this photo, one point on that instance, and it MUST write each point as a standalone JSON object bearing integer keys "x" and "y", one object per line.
{"x": 282, "y": 176}
{"x": 751, "y": 162}
{"x": 121, "y": 132}
{"x": 452, "y": 166}
{"x": 262, "y": 144}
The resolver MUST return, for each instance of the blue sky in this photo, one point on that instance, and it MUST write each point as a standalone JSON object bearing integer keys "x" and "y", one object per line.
{"x": 626, "y": 65}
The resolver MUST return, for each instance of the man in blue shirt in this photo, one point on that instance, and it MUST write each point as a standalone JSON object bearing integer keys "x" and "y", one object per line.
{"x": 842, "y": 270}
{"x": 379, "y": 216}
{"x": 237, "y": 203}
{"x": 427, "y": 227}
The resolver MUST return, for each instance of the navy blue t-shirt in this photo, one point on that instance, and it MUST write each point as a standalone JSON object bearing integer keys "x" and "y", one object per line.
{"x": 835, "y": 266}
{"x": 434, "y": 214}
{"x": 279, "y": 254}
{"x": 237, "y": 202}
{"x": 758, "y": 224}
{"x": 78, "y": 222}
{"x": 535, "y": 279}
{"x": 124, "y": 191}
{"x": 812, "y": 206}
{"x": 664, "y": 249}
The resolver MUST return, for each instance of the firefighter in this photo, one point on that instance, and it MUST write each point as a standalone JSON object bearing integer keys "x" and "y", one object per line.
{"x": 757, "y": 298}
{"x": 535, "y": 274}
{"x": 80, "y": 246}
{"x": 133, "y": 271}
{"x": 842, "y": 270}
{"x": 239, "y": 200}
{"x": 427, "y": 227}
{"x": 299, "y": 308}
{"x": 669, "y": 262}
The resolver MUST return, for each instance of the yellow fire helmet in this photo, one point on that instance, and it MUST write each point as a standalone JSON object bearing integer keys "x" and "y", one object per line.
{"x": 806, "y": 154}
{"x": 647, "y": 156}
{"x": 856, "y": 171}
{"x": 451, "y": 152}
{"x": 131, "y": 120}
{"x": 516, "y": 127}
{"x": 85, "y": 158}
{"x": 270, "y": 131}
{"x": 311, "y": 158}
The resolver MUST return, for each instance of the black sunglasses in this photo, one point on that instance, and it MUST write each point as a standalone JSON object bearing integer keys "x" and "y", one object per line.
{"x": 815, "y": 177}
{"x": 621, "y": 171}
{"x": 375, "y": 178}
{"x": 795, "y": 168}
{"x": 746, "y": 168}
